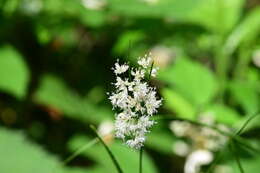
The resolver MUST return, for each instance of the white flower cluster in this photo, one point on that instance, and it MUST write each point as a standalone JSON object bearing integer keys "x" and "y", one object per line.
{"x": 135, "y": 100}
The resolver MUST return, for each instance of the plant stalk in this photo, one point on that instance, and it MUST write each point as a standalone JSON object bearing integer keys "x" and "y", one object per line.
{"x": 141, "y": 160}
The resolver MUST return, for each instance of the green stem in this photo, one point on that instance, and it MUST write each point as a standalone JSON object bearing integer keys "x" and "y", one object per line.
{"x": 80, "y": 150}
{"x": 141, "y": 160}
{"x": 244, "y": 58}
{"x": 246, "y": 123}
{"x": 150, "y": 73}
{"x": 115, "y": 162}
{"x": 233, "y": 150}
{"x": 75, "y": 154}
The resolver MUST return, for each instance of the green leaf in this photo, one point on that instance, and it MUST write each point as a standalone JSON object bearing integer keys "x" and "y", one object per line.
{"x": 250, "y": 165}
{"x": 194, "y": 81}
{"x": 176, "y": 103}
{"x": 126, "y": 40}
{"x": 245, "y": 94}
{"x": 9, "y": 7}
{"x": 14, "y": 74}
{"x": 215, "y": 15}
{"x": 223, "y": 114}
{"x": 20, "y": 155}
{"x": 54, "y": 93}
{"x": 167, "y": 8}
{"x": 243, "y": 32}
{"x": 92, "y": 18}
{"x": 127, "y": 158}
{"x": 218, "y": 15}
{"x": 252, "y": 124}
{"x": 160, "y": 141}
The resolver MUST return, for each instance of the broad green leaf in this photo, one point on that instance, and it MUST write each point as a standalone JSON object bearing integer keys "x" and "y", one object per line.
{"x": 176, "y": 103}
{"x": 20, "y": 155}
{"x": 14, "y": 74}
{"x": 194, "y": 81}
{"x": 54, "y": 93}
{"x": 246, "y": 95}
{"x": 223, "y": 114}
{"x": 127, "y": 158}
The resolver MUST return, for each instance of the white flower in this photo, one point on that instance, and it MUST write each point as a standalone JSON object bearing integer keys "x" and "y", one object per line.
{"x": 136, "y": 102}
{"x": 140, "y": 90}
{"x": 121, "y": 84}
{"x": 138, "y": 74}
{"x": 119, "y": 99}
{"x": 120, "y": 68}
{"x": 136, "y": 142}
{"x": 94, "y": 4}
{"x": 154, "y": 71}
{"x": 145, "y": 61}
{"x": 152, "y": 103}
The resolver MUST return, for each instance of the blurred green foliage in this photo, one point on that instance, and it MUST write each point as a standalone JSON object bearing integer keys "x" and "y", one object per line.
{"x": 55, "y": 72}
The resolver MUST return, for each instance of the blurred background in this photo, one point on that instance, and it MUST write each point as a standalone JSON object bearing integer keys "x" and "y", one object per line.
{"x": 55, "y": 71}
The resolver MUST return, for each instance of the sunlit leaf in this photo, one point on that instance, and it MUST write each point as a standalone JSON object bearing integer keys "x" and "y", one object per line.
{"x": 20, "y": 155}
{"x": 218, "y": 15}
{"x": 223, "y": 114}
{"x": 166, "y": 8}
{"x": 14, "y": 73}
{"x": 53, "y": 92}
{"x": 126, "y": 40}
{"x": 194, "y": 81}
{"x": 176, "y": 103}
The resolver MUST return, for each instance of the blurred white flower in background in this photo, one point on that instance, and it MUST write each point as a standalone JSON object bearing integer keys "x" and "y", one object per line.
{"x": 203, "y": 141}
{"x": 31, "y": 7}
{"x": 256, "y": 57}
{"x": 106, "y": 129}
{"x": 197, "y": 159}
{"x": 180, "y": 128}
{"x": 151, "y": 2}
{"x": 163, "y": 56}
{"x": 94, "y": 4}
{"x": 181, "y": 148}
{"x": 222, "y": 169}
{"x": 135, "y": 100}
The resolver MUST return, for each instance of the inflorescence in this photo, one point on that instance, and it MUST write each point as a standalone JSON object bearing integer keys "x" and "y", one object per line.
{"x": 135, "y": 101}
